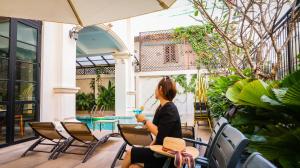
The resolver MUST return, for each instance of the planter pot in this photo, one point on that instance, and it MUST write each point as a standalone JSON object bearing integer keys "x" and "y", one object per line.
{"x": 104, "y": 113}
{"x": 82, "y": 112}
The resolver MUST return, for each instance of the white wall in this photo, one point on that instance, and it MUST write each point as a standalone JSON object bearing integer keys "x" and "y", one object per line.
{"x": 58, "y": 73}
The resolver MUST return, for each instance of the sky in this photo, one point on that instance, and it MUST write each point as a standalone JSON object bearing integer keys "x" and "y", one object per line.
{"x": 178, "y": 15}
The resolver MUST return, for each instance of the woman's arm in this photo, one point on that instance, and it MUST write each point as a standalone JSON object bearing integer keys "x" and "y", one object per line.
{"x": 153, "y": 141}
{"x": 152, "y": 127}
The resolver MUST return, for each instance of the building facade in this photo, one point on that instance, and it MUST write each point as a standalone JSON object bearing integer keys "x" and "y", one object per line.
{"x": 38, "y": 73}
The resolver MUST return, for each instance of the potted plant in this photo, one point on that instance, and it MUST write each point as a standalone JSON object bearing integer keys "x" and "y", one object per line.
{"x": 106, "y": 98}
{"x": 84, "y": 102}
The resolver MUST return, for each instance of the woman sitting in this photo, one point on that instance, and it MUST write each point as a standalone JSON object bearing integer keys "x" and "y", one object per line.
{"x": 166, "y": 123}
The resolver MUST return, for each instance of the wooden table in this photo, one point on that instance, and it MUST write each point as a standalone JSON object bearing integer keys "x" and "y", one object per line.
{"x": 113, "y": 122}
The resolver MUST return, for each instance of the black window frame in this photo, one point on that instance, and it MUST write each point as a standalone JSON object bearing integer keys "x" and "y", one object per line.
{"x": 11, "y": 101}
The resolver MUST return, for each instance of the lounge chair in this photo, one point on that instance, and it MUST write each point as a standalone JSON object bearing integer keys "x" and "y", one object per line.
{"x": 133, "y": 137}
{"x": 227, "y": 151}
{"x": 81, "y": 133}
{"x": 256, "y": 160}
{"x": 47, "y": 131}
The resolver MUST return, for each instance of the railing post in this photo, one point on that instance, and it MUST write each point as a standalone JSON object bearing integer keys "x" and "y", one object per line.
{"x": 289, "y": 47}
{"x": 140, "y": 51}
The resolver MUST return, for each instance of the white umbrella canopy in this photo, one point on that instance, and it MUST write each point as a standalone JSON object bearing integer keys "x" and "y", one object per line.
{"x": 80, "y": 12}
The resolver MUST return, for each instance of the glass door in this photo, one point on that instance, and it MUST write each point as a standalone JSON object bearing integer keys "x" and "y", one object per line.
{"x": 19, "y": 79}
{"x": 4, "y": 60}
{"x": 25, "y": 84}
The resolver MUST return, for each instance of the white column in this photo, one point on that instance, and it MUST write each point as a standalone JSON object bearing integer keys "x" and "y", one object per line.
{"x": 122, "y": 83}
{"x": 131, "y": 69}
{"x": 138, "y": 95}
{"x": 58, "y": 73}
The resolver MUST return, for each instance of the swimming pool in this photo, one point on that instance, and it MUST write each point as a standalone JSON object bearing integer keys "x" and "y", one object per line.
{"x": 108, "y": 126}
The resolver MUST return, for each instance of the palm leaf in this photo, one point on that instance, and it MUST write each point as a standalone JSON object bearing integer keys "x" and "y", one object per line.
{"x": 253, "y": 92}
{"x": 292, "y": 95}
{"x": 289, "y": 95}
{"x": 291, "y": 79}
{"x": 234, "y": 91}
{"x": 280, "y": 144}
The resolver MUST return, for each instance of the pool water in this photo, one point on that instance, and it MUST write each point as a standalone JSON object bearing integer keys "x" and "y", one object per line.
{"x": 109, "y": 126}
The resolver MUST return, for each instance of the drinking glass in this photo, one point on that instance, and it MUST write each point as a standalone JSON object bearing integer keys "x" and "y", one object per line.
{"x": 137, "y": 112}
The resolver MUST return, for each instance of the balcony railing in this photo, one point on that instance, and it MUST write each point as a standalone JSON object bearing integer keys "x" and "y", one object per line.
{"x": 291, "y": 52}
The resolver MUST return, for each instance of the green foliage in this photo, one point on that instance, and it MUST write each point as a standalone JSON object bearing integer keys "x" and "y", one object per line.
{"x": 267, "y": 95}
{"x": 290, "y": 94}
{"x": 106, "y": 97}
{"x": 84, "y": 101}
{"x": 217, "y": 101}
{"x": 205, "y": 43}
{"x": 182, "y": 81}
{"x": 92, "y": 85}
{"x": 269, "y": 116}
{"x": 97, "y": 82}
{"x": 273, "y": 133}
{"x": 255, "y": 93}
{"x": 279, "y": 144}
{"x": 233, "y": 92}
{"x": 292, "y": 79}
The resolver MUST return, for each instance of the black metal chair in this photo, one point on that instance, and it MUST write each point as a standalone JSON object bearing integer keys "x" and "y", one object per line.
{"x": 256, "y": 160}
{"x": 220, "y": 124}
{"x": 227, "y": 151}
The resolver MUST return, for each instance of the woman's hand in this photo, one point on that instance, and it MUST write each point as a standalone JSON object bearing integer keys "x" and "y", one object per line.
{"x": 140, "y": 117}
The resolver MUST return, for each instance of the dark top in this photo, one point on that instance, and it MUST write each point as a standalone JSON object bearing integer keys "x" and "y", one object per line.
{"x": 167, "y": 120}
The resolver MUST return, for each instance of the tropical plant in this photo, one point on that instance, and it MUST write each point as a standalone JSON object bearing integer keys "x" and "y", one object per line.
{"x": 256, "y": 93}
{"x": 97, "y": 82}
{"x": 269, "y": 95}
{"x": 106, "y": 97}
{"x": 85, "y": 101}
{"x": 201, "y": 89}
{"x": 217, "y": 102}
{"x": 188, "y": 87}
{"x": 269, "y": 115}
